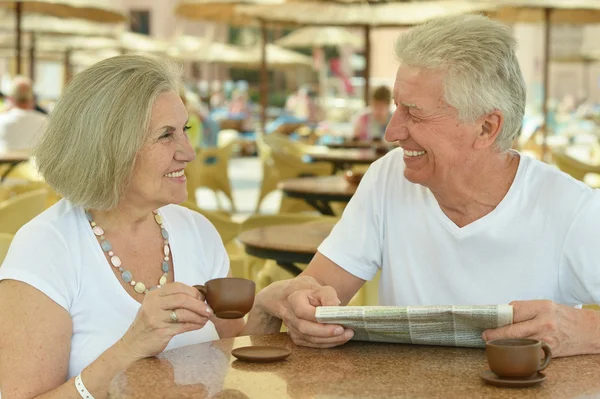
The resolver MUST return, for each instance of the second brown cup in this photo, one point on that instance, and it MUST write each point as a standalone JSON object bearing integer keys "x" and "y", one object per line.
{"x": 517, "y": 358}
{"x": 230, "y": 297}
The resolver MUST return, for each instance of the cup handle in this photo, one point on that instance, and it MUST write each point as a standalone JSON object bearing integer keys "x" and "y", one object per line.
{"x": 202, "y": 290}
{"x": 547, "y": 356}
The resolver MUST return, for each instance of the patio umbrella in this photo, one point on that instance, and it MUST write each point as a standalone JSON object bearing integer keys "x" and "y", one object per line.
{"x": 108, "y": 11}
{"x": 68, "y": 45}
{"x": 277, "y": 57}
{"x": 316, "y": 37}
{"x": 39, "y": 24}
{"x": 224, "y": 11}
{"x": 327, "y": 36}
{"x": 362, "y": 14}
{"x": 192, "y": 48}
{"x": 126, "y": 42}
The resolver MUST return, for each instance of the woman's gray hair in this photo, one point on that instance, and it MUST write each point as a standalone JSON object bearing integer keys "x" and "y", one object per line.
{"x": 94, "y": 133}
{"x": 482, "y": 70}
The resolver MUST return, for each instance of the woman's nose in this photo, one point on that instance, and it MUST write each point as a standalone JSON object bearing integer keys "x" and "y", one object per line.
{"x": 186, "y": 151}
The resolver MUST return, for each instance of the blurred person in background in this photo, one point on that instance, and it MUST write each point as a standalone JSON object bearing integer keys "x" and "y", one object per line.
{"x": 372, "y": 123}
{"x": 204, "y": 130}
{"x": 303, "y": 105}
{"x": 21, "y": 126}
{"x": 217, "y": 98}
{"x": 239, "y": 109}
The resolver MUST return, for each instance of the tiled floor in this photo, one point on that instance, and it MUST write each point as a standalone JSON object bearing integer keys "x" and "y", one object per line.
{"x": 246, "y": 175}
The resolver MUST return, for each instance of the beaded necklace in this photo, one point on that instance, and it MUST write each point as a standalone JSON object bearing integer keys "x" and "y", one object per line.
{"x": 115, "y": 261}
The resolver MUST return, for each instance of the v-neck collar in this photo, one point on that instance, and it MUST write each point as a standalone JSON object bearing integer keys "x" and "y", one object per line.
{"x": 483, "y": 222}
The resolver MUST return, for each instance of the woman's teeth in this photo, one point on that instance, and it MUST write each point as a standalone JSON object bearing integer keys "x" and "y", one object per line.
{"x": 176, "y": 174}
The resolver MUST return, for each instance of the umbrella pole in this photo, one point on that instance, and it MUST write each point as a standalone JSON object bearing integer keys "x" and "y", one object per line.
{"x": 264, "y": 84}
{"x": 67, "y": 66}
{"x": 586, "y": 79}
{"x": 367, "y": 71}
{"x": 32, "y": 58}
{"x": 18, "y": 12}
{"x": 546, "y": 74}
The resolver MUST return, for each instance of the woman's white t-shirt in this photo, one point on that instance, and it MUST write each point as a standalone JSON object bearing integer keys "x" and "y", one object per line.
{"x": 58, "y": 254}
{"x": 540, "y": 242}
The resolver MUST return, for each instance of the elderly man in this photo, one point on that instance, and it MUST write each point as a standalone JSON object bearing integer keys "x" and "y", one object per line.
{"x": 455, "y": 216}
{"x": 21, "y": 126}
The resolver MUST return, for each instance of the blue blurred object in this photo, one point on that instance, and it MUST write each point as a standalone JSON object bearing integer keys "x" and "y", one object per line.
{"x": 281, "y": 120}
{"x": 237, "y": 117}
{"x": 330, "y": 139}
{"x": 212, "y": 128}
{"x": 219, "y": 113}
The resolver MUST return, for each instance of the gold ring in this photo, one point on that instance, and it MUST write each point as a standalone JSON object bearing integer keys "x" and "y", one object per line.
{"x": 173, "y": 317}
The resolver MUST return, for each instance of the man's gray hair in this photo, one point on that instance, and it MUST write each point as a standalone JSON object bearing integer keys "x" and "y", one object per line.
{"x": 482, "y": 71}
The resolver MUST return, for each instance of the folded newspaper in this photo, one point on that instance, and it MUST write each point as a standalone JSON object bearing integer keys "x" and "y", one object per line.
{"x": 426, "y": 325}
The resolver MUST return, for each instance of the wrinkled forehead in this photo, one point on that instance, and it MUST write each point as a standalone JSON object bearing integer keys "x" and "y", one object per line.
{"x": 167, "y": 109}
{"x": 419, "y": 87}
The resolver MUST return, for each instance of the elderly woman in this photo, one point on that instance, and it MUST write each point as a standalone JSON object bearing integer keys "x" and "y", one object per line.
{"x": 103, "y": 278}
{"x": 455, "y": 217}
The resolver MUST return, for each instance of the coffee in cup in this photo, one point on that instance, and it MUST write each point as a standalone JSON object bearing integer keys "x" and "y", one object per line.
{"x": 517, "y": 358}
{"x": 230, "y": 297}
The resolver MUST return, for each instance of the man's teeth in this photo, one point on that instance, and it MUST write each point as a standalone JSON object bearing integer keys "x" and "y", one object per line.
{"x": 413, "y": 153}
{"x": 176, "y": 174}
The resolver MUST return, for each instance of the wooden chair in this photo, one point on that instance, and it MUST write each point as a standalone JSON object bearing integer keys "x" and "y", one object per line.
{"x": 10, "y": 190}
{"x": 25, "y": 171}
{"x": 20, "y": 209}
{"x": 574, "y": 167}
{"x": 210, "y": 170}
{"x": 228, "y": 230}
{"x": 281, "y": 164}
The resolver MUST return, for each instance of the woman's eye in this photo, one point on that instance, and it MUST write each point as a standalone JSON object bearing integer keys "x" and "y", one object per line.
{"x": 166, "y": 135}
{"x": 186, "y": 128}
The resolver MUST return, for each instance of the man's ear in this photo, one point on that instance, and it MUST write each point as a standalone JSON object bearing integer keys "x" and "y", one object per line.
{"x": 489, "y": 128}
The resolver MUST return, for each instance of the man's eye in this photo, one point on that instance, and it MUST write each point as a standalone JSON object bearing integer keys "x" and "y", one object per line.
{"x": 415, "y": 118}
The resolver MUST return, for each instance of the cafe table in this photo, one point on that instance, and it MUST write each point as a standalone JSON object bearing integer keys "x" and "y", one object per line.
{"x": 286, "y": 244}
{"x": 354, "y": 370}
{"x": 352, "y": 144}
{"x": 344, "y": 157}
{"x": 319, "y": 191}
{"x": 12, "y": 159}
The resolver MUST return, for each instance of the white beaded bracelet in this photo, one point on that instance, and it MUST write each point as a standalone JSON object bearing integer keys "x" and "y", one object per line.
{"x": 81, "y": 389}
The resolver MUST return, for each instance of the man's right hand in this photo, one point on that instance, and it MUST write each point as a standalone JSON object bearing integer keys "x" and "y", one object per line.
{"x": 303, "y": 328}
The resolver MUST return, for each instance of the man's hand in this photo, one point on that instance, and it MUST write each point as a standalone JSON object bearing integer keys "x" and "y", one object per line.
{"x": 568, "y": 331}
{"x": 302, "y": 325}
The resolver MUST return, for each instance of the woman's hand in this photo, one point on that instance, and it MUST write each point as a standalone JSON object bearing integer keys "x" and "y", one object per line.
{"x": 153, "y": 327}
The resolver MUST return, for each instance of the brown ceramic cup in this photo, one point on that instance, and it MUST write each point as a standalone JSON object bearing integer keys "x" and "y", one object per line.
{"x": 517, "y": 358}
{"x": 229, "y": 298}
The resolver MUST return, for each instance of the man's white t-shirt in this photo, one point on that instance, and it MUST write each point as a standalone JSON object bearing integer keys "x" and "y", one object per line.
{"x": 20, "y": 129}
{"x": 540, "y": 242}
{"x": 58, "y": 254}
